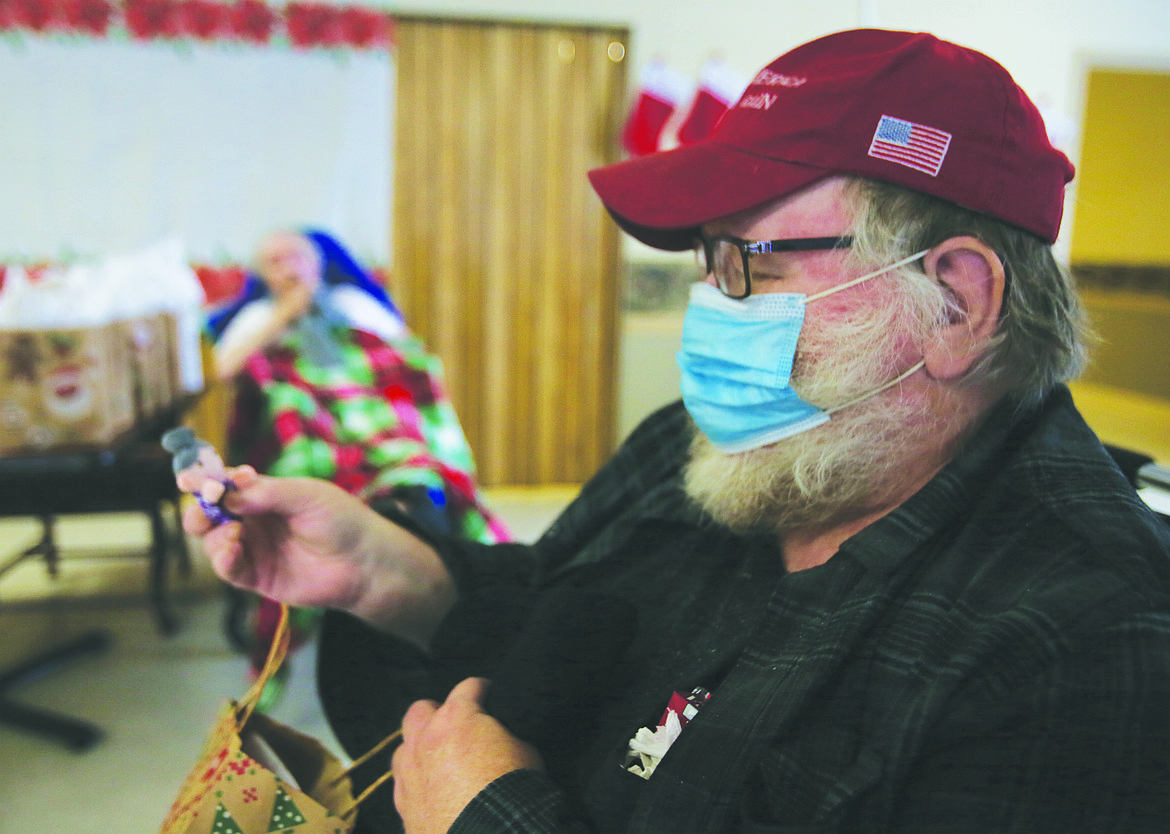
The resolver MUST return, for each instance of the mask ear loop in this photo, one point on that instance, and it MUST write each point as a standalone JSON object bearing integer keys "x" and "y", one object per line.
{"x": 877, "y": 391}
{"x": 911, "y": 259}
{"x": 908, "y": 260}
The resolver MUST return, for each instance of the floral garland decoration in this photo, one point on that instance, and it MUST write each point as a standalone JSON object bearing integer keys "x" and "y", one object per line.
{"x": 221, "y": 282}
{"x": 307, "y": 25}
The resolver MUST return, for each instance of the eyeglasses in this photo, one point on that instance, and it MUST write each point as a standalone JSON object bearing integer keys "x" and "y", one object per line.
{"x": 728, "y": 258}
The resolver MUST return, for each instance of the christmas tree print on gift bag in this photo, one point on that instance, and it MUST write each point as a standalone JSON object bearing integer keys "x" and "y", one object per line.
{"x": 257, "y": 776}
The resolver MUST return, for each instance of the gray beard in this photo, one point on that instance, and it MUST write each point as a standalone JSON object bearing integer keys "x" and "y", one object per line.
{"x": 839, "y": 470}
{"x": 856, "y": 462}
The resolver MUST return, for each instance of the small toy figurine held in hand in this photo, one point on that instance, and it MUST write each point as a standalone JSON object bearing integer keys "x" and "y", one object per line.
{"x": 199, "y": 470}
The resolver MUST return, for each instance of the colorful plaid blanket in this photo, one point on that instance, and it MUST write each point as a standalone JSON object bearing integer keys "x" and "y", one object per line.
{"x": 376, "y": 422}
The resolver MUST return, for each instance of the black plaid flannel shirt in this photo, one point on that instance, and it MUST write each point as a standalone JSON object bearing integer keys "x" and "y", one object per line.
{"x": 992, "y": 656}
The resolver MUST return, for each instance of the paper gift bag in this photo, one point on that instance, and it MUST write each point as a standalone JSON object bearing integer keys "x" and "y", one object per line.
{"x": 258, "y": 776}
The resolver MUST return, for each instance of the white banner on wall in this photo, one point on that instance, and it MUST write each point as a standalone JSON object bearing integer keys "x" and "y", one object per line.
{"x": 110, "y": 145}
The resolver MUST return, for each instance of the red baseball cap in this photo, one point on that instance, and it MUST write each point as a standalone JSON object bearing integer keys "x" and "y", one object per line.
{"x": 901, "y": 107}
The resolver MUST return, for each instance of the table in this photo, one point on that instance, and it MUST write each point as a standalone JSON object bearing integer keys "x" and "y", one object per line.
{"x": 132, "y": 474}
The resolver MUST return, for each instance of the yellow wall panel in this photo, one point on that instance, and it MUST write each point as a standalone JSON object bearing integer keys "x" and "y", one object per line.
{"x": 1122, "y": 212}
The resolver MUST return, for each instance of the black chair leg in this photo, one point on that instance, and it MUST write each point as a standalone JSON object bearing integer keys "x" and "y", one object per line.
{"x": 160, "y": 546}
{"x": 47, "y": 546}
{"x": 180, "y": 540}
{"x": 75, "y": 734}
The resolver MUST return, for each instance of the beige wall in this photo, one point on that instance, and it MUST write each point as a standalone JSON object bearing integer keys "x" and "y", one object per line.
{"x": 648, "y": 376}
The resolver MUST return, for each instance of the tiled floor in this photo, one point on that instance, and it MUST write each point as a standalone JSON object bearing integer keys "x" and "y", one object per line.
{"x": 154, "y": 696}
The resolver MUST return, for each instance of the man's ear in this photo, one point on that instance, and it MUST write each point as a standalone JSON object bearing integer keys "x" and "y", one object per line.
{"x": 972, "y": 275}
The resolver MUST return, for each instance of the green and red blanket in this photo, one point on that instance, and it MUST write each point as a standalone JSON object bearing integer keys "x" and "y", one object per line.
{"x": 376, "y": 422}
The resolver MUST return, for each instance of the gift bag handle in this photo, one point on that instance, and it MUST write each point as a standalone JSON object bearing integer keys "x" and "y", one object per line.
{"x": 276, "y": 655}
{"x": 247, "y": 705}
{"x": 361, "y": 760}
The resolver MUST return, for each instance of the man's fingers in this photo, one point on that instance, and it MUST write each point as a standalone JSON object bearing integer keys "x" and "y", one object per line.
{"x": 225, "y": 552}
{"x": 418, "y": 716}
{"x": 470, "y": 692}
{"x": 289, "y": 497}
{"x": 464, "y": 698}
{"x": 195, "y": 521}
{"x": 242, "y": 476}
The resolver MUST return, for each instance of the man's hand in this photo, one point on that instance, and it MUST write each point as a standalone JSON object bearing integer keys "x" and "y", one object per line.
{"x": 449, "y": 753}
{"x": 297, "y": 540}
{"x": 307, "y": 542}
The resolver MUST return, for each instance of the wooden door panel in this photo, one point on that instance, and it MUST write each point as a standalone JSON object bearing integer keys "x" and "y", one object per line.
{"x": 504, "y": 259}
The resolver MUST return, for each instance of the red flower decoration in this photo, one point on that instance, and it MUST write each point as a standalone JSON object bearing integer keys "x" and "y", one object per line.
{"x": 253, "y": 20}
{"x": 204, "y": 19}
{"x": 309, "y": 23}
{"x": 364, "y": 28}
{"x": 36, "y": 271}
{"x": 36, "y": 15}
{"x": 220, "y": 283}
{"x": 313, "y": 24}
{"x": 89, "y": 16}
{"x": 153, "y": 18}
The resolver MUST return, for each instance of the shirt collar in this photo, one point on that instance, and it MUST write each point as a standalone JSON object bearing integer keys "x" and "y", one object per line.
{"x": 884, "y": 545}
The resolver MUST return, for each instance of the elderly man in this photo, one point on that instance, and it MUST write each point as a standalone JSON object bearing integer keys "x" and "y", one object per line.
{"x": 877, "y": 576}
{"x": 302, "y": 280}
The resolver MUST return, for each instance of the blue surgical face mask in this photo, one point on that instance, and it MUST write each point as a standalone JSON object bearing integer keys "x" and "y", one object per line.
{"x": 736, "y": 362}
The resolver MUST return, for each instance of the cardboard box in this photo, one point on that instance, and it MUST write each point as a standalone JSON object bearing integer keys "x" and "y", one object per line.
{"x": 174, "y": 359}
{"x": 64, "y": 389}
{"x": 150, "y": 343}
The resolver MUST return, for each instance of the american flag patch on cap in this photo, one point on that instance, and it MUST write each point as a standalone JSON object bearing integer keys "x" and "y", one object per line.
{"x": 913, "y": 145}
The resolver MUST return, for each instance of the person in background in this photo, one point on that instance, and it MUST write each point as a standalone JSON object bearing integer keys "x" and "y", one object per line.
{"x": 329, "y": 382}
{"x": 303, "y": 280}
{"x": 874, "y": 573}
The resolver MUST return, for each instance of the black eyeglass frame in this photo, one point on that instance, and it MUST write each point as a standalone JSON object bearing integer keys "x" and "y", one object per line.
{"x": 747, "y": 248}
